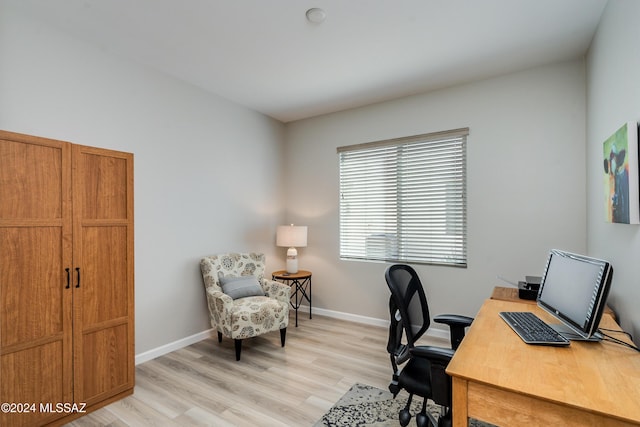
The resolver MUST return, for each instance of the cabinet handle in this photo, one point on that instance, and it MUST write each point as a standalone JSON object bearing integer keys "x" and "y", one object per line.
{"x": 68, "y": 278}
{"x": 78, "y": 270}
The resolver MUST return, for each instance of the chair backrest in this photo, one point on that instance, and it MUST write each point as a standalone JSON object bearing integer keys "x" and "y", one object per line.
{"x": 231, "y": 264}
{"x": 408, "y": 309}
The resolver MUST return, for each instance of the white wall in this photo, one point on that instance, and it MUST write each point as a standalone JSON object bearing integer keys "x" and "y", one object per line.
{"x": 613, "y": 67}
{"x": 526, "y": 184}
{"x": 207, "y": 174}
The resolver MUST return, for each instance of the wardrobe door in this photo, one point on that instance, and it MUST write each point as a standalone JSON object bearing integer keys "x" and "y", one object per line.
{"x": 103, "y": 292}
{"x": 35, "y": 296}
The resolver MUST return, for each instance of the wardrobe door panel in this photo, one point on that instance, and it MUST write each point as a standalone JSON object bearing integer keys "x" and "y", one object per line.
{"x": 105, "y": 367}
{"x": 36, "y": 359}
{"x": 31, "y": 177}
{"x": 102, "y": 181}
{"x": 104, "y": 275}
{"x": 32, "y": 290}
{"x": 33, "y": 377}
{"x": 103, "y": 250}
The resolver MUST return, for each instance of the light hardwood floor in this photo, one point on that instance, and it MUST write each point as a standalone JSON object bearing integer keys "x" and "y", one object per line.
{"x": 203, "y": 385}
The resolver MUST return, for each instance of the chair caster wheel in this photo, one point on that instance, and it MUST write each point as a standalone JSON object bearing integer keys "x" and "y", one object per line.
{"x": 394, "y": 389}
{"x": 445, "y": 421}
{"x": 405, "y": 417}
{"x": 422, "y": 420}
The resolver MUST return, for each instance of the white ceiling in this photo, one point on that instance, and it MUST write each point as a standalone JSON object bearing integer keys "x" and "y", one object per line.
{"x": 265, "y": 55}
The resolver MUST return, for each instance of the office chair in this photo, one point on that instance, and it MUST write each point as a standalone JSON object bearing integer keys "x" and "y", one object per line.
{"x": 424, "y": 372}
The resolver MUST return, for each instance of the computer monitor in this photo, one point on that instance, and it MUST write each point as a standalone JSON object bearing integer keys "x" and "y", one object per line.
{"x": 574, "y": 289}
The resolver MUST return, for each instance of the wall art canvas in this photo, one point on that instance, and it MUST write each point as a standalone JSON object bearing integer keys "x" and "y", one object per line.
{"x": 621, "y": 176}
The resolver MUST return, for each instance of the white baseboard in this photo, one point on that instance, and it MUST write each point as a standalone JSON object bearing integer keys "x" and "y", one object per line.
{"x": 184, "y": 342}
{"x": 173, "y": 346}
{"x": 347, "y": 316}
{"x": 431, "y": 332}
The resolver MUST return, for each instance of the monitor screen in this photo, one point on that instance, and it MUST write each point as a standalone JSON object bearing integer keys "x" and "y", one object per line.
{"x": 574, "y": 289}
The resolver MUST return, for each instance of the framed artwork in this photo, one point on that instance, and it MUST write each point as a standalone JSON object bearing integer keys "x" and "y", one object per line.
{"x": 622, "y": 197}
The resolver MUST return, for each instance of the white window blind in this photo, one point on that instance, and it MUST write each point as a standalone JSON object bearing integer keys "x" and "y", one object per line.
{"x": 404, "y": 200}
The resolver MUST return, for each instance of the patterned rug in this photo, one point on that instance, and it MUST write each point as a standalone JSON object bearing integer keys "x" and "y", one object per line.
{"x": 366, "y": 406}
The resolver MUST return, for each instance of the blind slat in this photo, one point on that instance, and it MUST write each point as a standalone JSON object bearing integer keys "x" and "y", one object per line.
{"x": 405, "y": 200}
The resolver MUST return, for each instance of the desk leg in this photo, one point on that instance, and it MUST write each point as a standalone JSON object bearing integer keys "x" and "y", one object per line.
{"x": 459, "y": 404}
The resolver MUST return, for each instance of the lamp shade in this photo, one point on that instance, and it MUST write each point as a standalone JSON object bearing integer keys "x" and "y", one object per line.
{"x": 291, "y": 236}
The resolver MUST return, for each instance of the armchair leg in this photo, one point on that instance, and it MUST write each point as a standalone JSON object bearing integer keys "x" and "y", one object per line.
{"x": 283, "y": 335}
{"x": 238, "y": 348}
{"x": 219, "y": 336}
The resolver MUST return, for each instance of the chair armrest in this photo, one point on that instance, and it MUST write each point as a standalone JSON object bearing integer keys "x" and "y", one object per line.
{"x": 220, "y": 306}
{"x": 433, "y": 354}
{"x": 225, "y": 299}
{"x": 457, "y": 325}
{"x": 453, "y": 320}
{"x": 277, "y": 290}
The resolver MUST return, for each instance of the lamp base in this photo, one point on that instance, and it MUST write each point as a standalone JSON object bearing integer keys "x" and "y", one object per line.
{"x": 292, "y": 260}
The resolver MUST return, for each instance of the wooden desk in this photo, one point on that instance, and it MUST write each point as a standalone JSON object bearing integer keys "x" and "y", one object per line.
{"x": 499, "y": 379}
{"x": 511, "y": 294}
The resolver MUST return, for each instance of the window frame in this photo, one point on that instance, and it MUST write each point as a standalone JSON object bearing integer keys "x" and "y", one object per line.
{"x": 420, "y": 233}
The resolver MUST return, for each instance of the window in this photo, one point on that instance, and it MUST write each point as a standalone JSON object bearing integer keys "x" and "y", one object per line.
{"x": 404, "y": 200}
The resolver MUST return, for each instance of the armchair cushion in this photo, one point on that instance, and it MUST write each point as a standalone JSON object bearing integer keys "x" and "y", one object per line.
{"x": 241, "y": 287}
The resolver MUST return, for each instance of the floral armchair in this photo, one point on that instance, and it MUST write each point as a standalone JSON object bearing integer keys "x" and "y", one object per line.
{"x": 255, "y": 306}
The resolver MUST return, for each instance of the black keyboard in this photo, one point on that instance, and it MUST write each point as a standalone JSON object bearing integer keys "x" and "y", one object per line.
{"x": 532, "y": 329}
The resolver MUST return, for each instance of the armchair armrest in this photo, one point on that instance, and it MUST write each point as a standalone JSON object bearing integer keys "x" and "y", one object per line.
{"x": 277, "y": 290}
{"x": 220, "y": 307}
{"x": 457, "y": 325}
{"x": 225, "y": 300}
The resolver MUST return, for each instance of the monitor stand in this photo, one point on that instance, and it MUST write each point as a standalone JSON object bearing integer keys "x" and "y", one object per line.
{"x": 571, "y": 335}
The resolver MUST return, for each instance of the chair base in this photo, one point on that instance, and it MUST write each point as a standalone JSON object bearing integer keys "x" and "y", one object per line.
{"x": 445, "y": 420}
{"x": 423, "y": 418}
{"x": 238, "y": 343}
{"x": 394, "y": 388}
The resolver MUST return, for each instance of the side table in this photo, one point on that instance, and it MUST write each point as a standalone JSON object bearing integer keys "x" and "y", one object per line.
{"x": 300, "y": 283}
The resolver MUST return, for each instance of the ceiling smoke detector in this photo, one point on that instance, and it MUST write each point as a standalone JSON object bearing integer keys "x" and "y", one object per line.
{"x": 316, "y": 15}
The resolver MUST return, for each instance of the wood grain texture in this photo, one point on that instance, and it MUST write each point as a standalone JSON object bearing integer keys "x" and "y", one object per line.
{"x": 585, "y": 382}
{"x": 103, "y": 248}
{"x": 511, "y": 294}
{"x": 203, "y": 385}
{"x": 66, "y": 275}
{"x": 35, "y": 306}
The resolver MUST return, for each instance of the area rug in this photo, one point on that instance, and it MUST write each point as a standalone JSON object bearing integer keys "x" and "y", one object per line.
{"x": 367, "y": 406}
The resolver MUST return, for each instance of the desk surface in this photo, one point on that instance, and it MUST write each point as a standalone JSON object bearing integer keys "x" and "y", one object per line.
{"x": 511, "y": 294}
{"x": 494, "y": 372}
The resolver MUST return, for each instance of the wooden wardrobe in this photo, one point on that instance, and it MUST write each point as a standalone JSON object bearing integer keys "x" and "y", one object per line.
{"x": 66, "y": 279}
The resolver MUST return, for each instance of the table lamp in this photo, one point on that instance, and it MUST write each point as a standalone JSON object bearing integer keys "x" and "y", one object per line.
{"x": 292, "y": 236}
